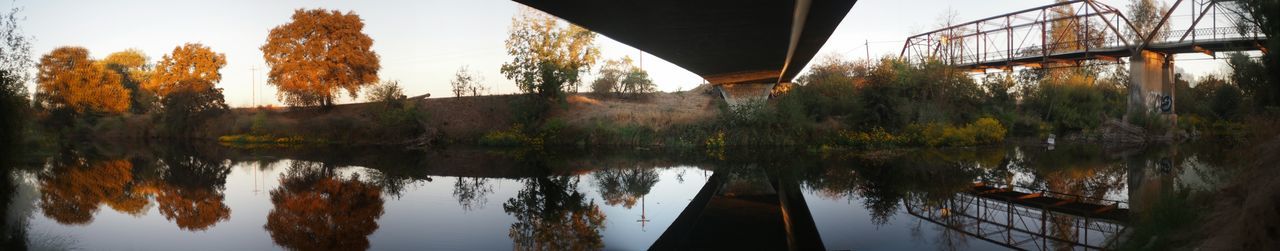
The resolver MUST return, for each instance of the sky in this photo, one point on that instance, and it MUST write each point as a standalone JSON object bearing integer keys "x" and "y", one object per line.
{"x": 423, "y": 43}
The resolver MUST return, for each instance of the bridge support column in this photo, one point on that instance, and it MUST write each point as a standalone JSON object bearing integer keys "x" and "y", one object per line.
{"x": 1151, "y": 84}
{"x": 745, "y": 93}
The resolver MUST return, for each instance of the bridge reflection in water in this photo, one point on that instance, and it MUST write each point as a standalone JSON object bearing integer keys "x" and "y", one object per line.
{"x": 1068, "y": 198}
{"x": 744, "y": 213}
{"x": 1015, "y": 225}
{"x": 771, "y": 213}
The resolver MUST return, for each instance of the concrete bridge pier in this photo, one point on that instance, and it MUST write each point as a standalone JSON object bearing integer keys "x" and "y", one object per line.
{"x": 1151, "y": 84}
{"x": 745, "y": 93}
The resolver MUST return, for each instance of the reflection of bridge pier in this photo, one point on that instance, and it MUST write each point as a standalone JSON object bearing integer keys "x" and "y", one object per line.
{"x": 1014, "y": 225}
{"x": 744, "y": 214}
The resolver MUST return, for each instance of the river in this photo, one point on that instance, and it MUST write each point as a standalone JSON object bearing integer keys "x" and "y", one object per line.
{"x": 182, "y": 197}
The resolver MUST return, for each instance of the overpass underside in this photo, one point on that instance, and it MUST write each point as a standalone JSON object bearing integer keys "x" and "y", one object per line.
{"x": 726, "y": 42}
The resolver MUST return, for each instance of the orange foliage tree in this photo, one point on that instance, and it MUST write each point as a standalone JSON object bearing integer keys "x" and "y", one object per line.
{"x": 318, "y": 54}
{"x": 316, "y": 211}
{"x": 69, "y": 79}
{"x": 186, "y": 62}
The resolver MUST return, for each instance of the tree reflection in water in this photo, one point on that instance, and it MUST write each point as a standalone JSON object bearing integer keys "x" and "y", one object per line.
{"x": 190, "y": 192}
{"x": 552, "y": 215}
{"x": 472, "y": 193}
{"x": 188, "y": 189}
{"x": 624, "y": 186}
{"x": 314, "y": 210}
{"x": 73, "y": 188}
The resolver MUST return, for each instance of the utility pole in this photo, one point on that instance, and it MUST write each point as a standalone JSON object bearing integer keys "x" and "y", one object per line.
{"x": 253, "y": 85}
{"x": 867, "y": 45}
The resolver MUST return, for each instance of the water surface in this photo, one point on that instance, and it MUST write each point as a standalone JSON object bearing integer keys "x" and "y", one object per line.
{"x": 167, "y": 197}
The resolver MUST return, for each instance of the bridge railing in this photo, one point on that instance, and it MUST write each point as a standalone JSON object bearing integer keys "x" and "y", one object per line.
{"x": 1074, "y": 31}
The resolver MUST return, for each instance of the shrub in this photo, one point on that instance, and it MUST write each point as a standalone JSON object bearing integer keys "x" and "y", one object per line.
{"x": 715, "y": 144}
{"x": 1154, "y": 123}
{"x": 983, "y": 131}
{"x": 402, "y": 122}
{"x": 988, "y": 131}
{"x": 259, "y": 124}
{"x": 388, "y": 93}
{"x": 513, "y": 136}
{"x": 876, "y": 138}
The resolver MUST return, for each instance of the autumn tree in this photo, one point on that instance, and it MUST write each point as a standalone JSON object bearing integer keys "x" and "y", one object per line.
{"x": 317, "y": 55}
{"x": 69, "y": 79}
{"x": 548, "y": 59}
{"x": 191, "y": 61}
{"x": 133, "y": 67}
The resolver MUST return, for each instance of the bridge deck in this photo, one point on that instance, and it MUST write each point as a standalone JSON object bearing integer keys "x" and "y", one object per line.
{"x": 1242, "y": 44}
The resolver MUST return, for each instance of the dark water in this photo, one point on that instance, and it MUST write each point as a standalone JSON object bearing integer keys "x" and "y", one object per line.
{"x": 168, "y": 197}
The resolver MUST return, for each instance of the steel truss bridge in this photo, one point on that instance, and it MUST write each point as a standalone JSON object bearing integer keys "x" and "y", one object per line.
{"x": 1070, "y": 32}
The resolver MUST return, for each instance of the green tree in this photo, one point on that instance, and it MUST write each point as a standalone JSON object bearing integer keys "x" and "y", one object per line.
{"x": 1254, "y": 80}
{"x": 134, "y": 68}
{"x": 620, "y": 76}
{"x": 186, "y": 109}
{"x": 1266, "y": 15}
{"x": 466, "y": 82}
{"x": 637, "y": 82}
{"x": 1226, "y": 102}
{"x": 317, "y": 55}
{"x": 547, "y": 59}
{"x": 610, "y": 74}
{"x": 15, "y": 61}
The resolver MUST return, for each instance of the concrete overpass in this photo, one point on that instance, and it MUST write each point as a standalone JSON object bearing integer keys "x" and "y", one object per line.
{"x": 730, "y": 43}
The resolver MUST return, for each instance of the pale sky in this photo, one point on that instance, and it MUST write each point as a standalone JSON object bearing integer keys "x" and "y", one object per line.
{"x": 422, "y": 43}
